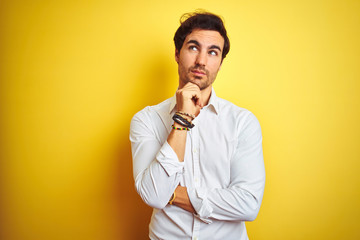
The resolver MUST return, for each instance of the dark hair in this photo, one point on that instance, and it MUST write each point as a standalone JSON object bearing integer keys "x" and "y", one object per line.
{"x": 200, "y": 20}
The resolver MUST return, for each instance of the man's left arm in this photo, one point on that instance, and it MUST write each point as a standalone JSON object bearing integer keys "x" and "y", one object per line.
{"x": 242, "y": 199}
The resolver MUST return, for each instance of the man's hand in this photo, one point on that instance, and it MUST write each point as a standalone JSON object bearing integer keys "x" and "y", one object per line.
{"x": 182, "y": 199}
{"x": 188, "y": 99}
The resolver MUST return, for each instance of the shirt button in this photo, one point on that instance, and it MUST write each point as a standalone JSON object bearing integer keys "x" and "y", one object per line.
{"x": 195, "y": 151}
{"x": 196, "y": 179}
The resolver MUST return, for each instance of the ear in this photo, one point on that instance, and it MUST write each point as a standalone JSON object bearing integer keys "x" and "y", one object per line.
{"x": 177, "y": 55}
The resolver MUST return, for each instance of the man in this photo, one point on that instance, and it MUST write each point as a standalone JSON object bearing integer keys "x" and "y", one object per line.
{"x": 197, "y": 158}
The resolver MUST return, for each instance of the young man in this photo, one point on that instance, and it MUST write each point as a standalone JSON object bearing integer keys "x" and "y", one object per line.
{"x": 197, "y": 158}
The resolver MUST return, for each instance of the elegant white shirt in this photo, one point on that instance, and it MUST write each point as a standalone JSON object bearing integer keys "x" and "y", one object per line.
{"x": 223, "y": 170}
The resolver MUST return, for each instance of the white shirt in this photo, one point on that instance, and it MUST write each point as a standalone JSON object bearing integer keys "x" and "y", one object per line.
{"x": 223, "y": 170}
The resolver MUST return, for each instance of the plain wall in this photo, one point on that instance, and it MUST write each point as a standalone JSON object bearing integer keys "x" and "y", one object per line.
{"x": 73, "y": 73}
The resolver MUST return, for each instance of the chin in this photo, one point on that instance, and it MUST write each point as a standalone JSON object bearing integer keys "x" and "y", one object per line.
{"x": 196, "y": 82}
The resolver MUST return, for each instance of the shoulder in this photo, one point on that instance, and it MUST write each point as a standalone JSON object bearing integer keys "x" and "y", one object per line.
{"x": 243, "y": 120}
{"x": 151, "y": 113}
{"x": 227, "y": 106}
{"x": 230, "y": 110}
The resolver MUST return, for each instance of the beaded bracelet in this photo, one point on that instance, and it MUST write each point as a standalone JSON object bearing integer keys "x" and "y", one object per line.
{"x": 182, "y": 121}
{"x": 172, "y": 198}
{"x": 186, "y": 114}
{"x": 176, "y": 128}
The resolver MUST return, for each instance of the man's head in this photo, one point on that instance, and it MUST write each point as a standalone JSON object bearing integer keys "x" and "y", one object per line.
{"x": 204, "y": 21}
{"x": 201, "y": 45}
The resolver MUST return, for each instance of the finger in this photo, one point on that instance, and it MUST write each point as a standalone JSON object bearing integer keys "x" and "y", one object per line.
{"x": 191, "y": 85}
{"x": 198, "y": 102}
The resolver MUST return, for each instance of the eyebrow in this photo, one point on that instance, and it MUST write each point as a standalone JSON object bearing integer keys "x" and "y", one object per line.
{"x": 215, "y": 46}
{"x": 198, "y": 44}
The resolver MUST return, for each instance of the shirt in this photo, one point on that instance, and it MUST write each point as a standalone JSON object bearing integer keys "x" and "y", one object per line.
{"x": 223, "y": 170}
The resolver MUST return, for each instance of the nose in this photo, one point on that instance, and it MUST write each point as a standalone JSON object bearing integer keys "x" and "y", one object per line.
{"x": 201, "y": 58}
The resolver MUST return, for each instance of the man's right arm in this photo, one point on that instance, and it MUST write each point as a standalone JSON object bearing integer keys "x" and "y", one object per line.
{"x": 157, "y": 169}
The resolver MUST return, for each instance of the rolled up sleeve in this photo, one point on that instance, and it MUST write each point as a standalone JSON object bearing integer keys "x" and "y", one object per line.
{"x": 156, "y": 167}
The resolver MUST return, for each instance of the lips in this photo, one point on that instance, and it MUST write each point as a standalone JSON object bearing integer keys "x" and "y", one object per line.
{"x": 198, "y": 72}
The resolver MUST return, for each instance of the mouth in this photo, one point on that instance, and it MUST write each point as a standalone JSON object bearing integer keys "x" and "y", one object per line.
{"x": 198, "y": 72}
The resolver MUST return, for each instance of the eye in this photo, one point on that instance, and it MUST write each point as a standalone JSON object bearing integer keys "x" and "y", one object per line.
{"x": 194, "y": 48}
{"x": 213, "y": 53}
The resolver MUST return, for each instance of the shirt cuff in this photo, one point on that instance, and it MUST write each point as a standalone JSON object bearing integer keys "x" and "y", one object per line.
{"x": 169, "y": 160}
{"x": 198, "y": 198}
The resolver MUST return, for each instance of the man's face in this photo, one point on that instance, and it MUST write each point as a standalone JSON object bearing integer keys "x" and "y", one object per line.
{"x": 199, "y": 59}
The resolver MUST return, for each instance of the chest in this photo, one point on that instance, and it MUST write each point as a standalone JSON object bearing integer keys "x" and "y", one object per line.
{"x": 209, "y": 150}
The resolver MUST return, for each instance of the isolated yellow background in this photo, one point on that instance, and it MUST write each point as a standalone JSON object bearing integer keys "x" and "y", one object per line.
{"x": 73, "y": 73}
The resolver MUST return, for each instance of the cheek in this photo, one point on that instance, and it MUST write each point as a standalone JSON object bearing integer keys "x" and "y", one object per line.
{"x": 214, "y": 68}
{"x": 185, "y": 65}
{"x": 183, "y": 69}
{"x": 187, "y": 59}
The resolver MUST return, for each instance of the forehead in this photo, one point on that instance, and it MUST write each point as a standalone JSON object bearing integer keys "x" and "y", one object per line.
{"x": 206, "y": 37}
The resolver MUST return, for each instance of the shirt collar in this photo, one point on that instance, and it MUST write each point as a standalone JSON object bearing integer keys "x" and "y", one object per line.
{"x": 213, "y": 101}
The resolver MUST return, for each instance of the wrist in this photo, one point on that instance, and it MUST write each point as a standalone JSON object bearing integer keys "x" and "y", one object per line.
{"x": 187, "y": 113}
{"x": 188, "y": 116}
{"x": 177, "y": 125}
{"x": 182, "y": 121}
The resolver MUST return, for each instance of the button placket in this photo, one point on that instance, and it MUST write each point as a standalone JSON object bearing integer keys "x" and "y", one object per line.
{"x": 196, "y": 169}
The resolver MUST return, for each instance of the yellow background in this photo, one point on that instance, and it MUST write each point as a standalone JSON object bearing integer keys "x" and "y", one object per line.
{"x": 73, "y": 73}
